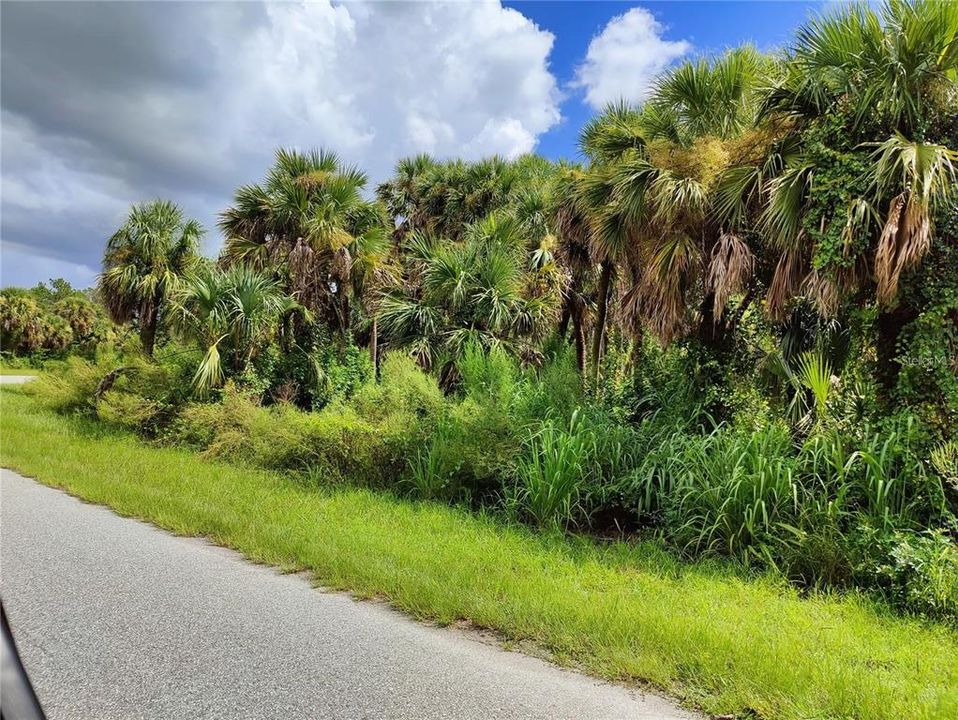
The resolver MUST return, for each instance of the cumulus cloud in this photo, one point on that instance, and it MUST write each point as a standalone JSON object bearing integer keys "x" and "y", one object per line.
{"x": 105, "y": 104}
{"x": 625, "y": 57}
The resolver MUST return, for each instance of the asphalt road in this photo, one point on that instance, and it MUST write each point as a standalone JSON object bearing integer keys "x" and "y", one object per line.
{"x": 117, "y": 619}
{"x": 15, "y": 379}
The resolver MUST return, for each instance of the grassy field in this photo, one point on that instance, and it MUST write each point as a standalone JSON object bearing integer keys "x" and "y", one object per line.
{"x": 622, "y": 611}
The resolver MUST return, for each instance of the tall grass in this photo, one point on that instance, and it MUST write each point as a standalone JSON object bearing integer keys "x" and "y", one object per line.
{"x": 734, "y": 494}
{"x": 550, "y": 476}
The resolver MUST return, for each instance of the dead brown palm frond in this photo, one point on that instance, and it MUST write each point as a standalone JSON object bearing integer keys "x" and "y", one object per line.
{"x": 730, "y": 269}
{"x": 631, "y": 312}
{"x": 904, "y": 241}
{"x": 921, "y": 175}
{"x": 822, "y": 291}
{"x": 573, "y": 245}
{"x": 887, "y": 267}
{"x": 785, "y": 283}
{"x": 662, "y": 289}
{"x": 304, "y": 272}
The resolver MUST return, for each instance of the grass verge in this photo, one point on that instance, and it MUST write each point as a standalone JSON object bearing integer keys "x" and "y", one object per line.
{"x": 18, "y": 371}
{"x": 622, "y": 611}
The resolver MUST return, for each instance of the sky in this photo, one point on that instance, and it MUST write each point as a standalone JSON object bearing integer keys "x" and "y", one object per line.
{"x": 103, "y": 104}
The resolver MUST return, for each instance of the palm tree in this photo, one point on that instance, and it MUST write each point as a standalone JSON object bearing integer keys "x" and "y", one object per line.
{"x": 304, "y": 223}
{"x": 471, "y": 222}
{"x": 144, "y": 261}
{"x": 443, "y": 198}
{"x": 850, "y": 207}
{"x": 606, "y": 139}
{"x": 892, "y": 69}
{"x": 403, "y": 193}
{"x": 572, "y": 226}
{"x": 372, "y": 268}
{"x": 700, "y": 120}
{"x": 230, "y": 314}
{"x": 485, "y": 291}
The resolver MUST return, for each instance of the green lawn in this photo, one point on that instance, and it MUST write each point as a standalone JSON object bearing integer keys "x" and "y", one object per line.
{"x": 621, "y": 611}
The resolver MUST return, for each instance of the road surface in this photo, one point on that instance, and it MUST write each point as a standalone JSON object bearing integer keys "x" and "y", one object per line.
{"x": 15, "y": 379}
{"x": 117, "y": 619}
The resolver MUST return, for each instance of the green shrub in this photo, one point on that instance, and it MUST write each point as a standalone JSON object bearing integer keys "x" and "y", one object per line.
{"x": 433, "y": 470}
{"x": 915, "y": 571}
{"x": 352, "y": 449}
{"x": 673, "y": 386}
{"x": 879, "y": 473}
{"x": 487, "y": 375}
{"x": 336, "y": 443}
{"x": 71, "y": 387}
{"x": 240, "y": 430}
{"x": 128, "y": 410}
{"x": 318, "y": 372}
{"x": 485, "y": 440}
{"x": 554, "y": 390}
{"x": 403, "y": 387}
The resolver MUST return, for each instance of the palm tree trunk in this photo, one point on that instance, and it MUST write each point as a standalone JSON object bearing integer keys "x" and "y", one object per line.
{"x": 148, "y": 321}
{"x": 564, "y": 319}
{"x": 605, "y": 280}
{"x": 374, "y": 346}
{"x": 890, "y": 324}
{"x": 579, "y": 337}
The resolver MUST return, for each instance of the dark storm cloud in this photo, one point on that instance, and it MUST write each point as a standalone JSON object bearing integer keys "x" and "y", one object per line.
{"x": 136, "y": 81}
{"x": 116, "y": 101}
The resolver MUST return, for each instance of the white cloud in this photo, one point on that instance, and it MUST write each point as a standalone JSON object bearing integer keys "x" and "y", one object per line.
{"x": 625, "y": 57}
{"x": 196, "y": 98}
{"x": 380, "y": 81}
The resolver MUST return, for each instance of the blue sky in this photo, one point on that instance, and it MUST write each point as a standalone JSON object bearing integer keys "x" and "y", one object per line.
{"x": 709, "y": 26}
{"x": 105, "y": 104}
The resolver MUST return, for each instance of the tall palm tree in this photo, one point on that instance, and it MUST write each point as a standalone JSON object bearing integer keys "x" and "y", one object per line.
{"x": 572, "y": 227}
{"x": 687, "y": 261}
{"x": 144, "y": 262}
{"x": 372, "y": 268}
{"x": 867, "y": 96}
{"x": 229, "y": 314}
{"x": 304, "y": 223}
{"x": 606, "y": 140}
{"x": 443, "y": 198}
{"x": 402, "y": 194}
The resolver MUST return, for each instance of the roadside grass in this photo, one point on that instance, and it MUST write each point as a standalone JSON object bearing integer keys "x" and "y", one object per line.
{"x": 4, "y": 370}
{"x": 623, "y": 611}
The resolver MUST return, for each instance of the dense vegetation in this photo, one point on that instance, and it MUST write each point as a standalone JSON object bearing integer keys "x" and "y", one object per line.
{"x": 734, "y": 325}
{"x": 50, "y": 321}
